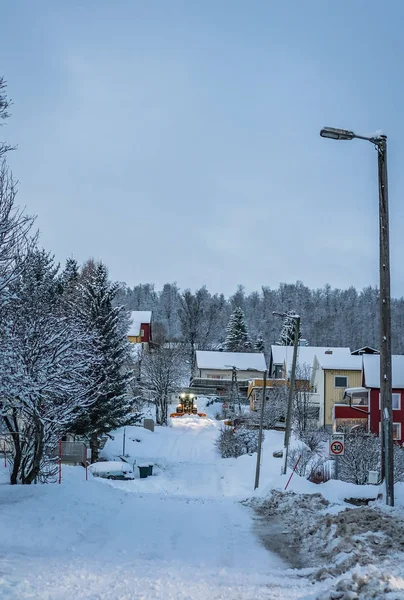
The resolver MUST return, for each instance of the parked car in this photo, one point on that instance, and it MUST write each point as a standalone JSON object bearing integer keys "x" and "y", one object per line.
{"x": 112, "y": 469}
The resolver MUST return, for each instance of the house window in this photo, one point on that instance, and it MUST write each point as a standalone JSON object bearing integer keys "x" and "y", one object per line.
{"x": 396, "y": 431}
{"x": 142, "y": 332}
{"x": 340, "y": 382}
{"x": 396, "y": 401}
{"x": 278, "y": 372}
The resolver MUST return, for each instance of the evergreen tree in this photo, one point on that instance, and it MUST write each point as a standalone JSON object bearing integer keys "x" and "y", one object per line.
{"x": 287, "y": 336}
{"x": 259, "y": 345}
{"x": 237, "y": 339}
{"x": 45, "y": 359}
{"x": 110, "y": 373}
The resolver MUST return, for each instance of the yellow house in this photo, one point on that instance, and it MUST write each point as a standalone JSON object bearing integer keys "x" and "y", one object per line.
{"x": 255, "y": 388}
{"x": 334, "y": 371}
{"x": 140, "y": 326}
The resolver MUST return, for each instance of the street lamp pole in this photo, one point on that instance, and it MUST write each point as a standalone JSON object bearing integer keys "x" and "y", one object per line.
{"x": 258, "y": 466}
{"x": 288, "y": 425}
{"x": 387, "y": 443}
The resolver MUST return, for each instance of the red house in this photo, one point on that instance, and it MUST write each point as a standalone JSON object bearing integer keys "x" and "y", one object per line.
{"x": 362, "y": 408}
{"x": 140, "y": 327}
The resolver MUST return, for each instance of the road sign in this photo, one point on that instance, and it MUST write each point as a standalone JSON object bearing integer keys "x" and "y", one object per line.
{"x": 225, "y": 405}
{"x": 337, "y": 444}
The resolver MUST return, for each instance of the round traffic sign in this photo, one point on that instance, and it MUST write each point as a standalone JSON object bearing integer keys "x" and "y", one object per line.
{"x": 225, "y": 405}
{"x": 337, "y": 447}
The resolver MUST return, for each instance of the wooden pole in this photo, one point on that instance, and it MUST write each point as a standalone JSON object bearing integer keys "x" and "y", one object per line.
{"x": 387, "y": 457}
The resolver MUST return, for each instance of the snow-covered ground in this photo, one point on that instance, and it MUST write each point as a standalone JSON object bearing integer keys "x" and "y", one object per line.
{"x": 180, "y": 534}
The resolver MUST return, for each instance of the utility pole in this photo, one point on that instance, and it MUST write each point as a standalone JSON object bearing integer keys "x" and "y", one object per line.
{"x": 258, "y": 467}
{"x": 385, "y": 326}
{"x": 386, "y": 405}
{"x": 291, "y": 394}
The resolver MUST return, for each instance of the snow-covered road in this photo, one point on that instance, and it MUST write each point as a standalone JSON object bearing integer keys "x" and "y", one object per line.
{"x": 179, "y": 535}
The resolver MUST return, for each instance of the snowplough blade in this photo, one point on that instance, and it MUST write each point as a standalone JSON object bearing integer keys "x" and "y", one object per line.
{"x": 175, "y": 414}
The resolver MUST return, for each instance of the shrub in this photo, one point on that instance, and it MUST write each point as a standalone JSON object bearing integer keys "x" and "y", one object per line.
{"x": 234, "y": 443}
{"x": 361, "y": 455}
{"x": 309, "y": 463}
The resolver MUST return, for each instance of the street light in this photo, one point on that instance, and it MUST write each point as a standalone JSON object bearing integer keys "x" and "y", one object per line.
{"x": 288, "y": 425}
{"x": 387, "y": 454}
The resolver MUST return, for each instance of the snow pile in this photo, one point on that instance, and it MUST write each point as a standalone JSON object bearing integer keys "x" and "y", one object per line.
{"x": 326, "y": 534}
{"x": 368, "y": 584}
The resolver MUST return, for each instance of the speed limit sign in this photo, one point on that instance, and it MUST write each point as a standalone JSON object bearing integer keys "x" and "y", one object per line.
{"x": 337, "y": 446}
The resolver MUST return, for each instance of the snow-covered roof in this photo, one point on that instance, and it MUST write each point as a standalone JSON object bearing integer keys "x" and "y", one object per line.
{"x": 224, "y": 361}
{"x": 340, "y": 361}
{"x": 305, "y": 354}
{"x": 137, "y": 318}
{"x": 371, "y": 368}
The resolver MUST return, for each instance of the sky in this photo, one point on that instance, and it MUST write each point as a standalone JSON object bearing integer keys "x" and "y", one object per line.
{"x": 178, "y": 140}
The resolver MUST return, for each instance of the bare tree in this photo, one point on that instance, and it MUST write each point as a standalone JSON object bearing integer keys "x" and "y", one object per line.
{"x": 4, "y": 114}
{"x": 305, "y": 410}
{"x": 163, "y": 373}
{"x": 361, "y": 455}
{"x": 15, "y": 226}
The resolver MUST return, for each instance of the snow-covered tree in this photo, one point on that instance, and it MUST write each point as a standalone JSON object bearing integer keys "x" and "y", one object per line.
{"x": 163, "y": 373}
{"x": 305, "y": 410}
{"x": 361, "y": 455}
{"x": 288, "y": 332}
{"x": 237, "y": 339}
{"x": 45, "y": 359}
{"x": 15, "y": 229}
{"x": 110, "y": 373}
{"x": 4, "y": 114}
{"x": 259, "y": 345}
{"x": 168, "y": 300}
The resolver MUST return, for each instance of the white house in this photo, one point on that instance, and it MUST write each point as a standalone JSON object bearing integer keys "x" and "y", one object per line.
{"x": 213, "y": 370}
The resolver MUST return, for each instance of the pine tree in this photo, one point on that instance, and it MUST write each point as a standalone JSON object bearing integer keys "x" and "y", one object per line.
{"x": 287, "y": 336}
{"x": 259, "y": 345}
{"x": 237, "y": 339}
{"x": 110, "y": 372}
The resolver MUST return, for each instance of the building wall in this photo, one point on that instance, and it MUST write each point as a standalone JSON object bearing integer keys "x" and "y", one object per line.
{"x": 332, "y": 394}
{"x": 398, "y": 414}
{"x": 223, "y": 374}
{"x": 146, "y": 337}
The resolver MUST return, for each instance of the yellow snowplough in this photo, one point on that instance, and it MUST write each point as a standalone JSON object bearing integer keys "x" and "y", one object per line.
{"x": 187, "y": 406}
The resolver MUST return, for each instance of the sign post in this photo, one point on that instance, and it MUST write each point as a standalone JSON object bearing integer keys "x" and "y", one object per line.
{"x": 337, "y": 449}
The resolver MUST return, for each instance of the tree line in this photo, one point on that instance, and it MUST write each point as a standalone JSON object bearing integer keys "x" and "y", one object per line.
{"x": 329, "y": 316}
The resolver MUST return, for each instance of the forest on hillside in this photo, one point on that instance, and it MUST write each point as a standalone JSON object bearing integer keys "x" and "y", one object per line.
{"x": 329, "y": 316}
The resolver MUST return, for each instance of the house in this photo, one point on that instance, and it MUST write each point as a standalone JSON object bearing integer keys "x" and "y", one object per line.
{"x": 281, "y": 358}
{"x": 140, "y": 330}
{"x": 256, "y": 387}
{"x": 365, "y": 350}
{"x": 214, "y": 371}
{"x": 333, "y": 371}
{"x": 367, "y": 399}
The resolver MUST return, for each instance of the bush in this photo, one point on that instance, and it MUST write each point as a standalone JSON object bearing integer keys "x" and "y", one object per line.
{"x": 234, "y": 443}
{"x": 313, "y": 439}
{"x": 362, "y": 454}
{"x": 309, "y": 463}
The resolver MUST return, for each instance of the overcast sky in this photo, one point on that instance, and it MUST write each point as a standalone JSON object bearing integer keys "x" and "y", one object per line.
{"x": 179, "y": 140}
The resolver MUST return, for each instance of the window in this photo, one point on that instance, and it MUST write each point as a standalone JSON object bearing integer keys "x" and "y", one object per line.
{"x": 142, "y": 332}
{"x": 278, "y": 372}
{"x": 396, "y": 399}
{"x": 396, "y": 431}
{"x": 340, "y": 382}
